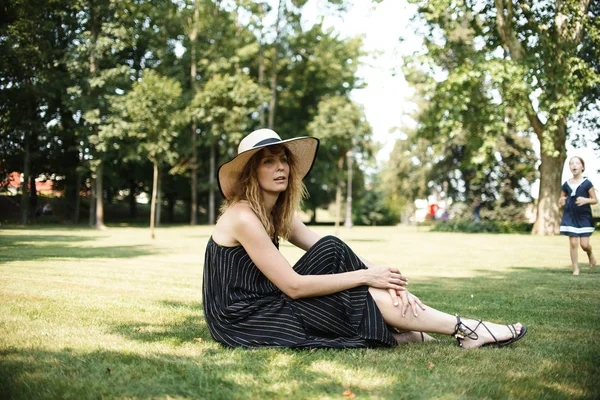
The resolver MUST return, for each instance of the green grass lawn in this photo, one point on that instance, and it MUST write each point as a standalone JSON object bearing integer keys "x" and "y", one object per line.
{"x": 114, "y": 314}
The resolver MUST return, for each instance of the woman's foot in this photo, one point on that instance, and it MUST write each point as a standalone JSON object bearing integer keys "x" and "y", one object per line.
{"x": 576, "y": 270}
{"x": 412, "y": 337}
{"x": 483, "y": 336}
{"x": 592, "y": 260}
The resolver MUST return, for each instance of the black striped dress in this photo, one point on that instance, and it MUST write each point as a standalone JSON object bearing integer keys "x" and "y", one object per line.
{"x": 243, "y": 308}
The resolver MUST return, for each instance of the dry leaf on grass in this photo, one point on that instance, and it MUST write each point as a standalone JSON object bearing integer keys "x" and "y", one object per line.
{"x": 198, "y": 339}
{"x": 430, "y": 365}
{"x": 348, "y": 394}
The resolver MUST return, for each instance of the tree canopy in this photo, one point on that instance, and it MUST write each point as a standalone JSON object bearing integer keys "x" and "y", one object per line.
{"x": 94, "y": 92}
{"x": 491, "y": 74}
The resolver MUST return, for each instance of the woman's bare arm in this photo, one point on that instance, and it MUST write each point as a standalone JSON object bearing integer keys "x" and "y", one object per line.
{"x": 304, "y": 238}
{"x": 250, "y": 233}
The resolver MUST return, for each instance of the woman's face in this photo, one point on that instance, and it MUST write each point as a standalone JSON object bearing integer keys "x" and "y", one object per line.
{"x": 273, "y": 170}
{"x": 575, "y": 166}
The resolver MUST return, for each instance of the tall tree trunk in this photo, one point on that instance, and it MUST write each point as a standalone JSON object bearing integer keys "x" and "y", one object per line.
{"x": 72, "y": 194}
{"x": 76, "y": 198}
{"x": 273, "y": 102}
{"x": 348, "y": 220}
{"x": 211, "y": 184}
{"x": 100, "y": 198}
{"x": 70, "y": 147}
{"x": 193, "y": 34}
{"x": 261, "y": 69}
{"x": 132, "y": 200}
{"x": 261, "y": 80}
{"x": 338, "y": 191}
{"x": 153, "y": 201}
{"x": 33, "y": 196}
{"x": 158, "y": 200}
{"x": 171, "y": 207}
{"x": 92, "y": 202}
{"x": 95, "y": 28}
{"x": 25, "y": 181}
{"x": 548, "y": 213}
{"x": 194, "y": 182}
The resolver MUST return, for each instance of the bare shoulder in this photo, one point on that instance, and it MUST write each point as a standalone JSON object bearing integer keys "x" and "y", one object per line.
{"x": 236, "y": 220}
{"x": 240, "y": 213}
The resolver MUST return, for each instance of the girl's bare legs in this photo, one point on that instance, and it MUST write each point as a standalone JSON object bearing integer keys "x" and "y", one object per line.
{"x": 587, "y": 247}
{"x": 434, "y": 321}
{"x": 573, "y": 248}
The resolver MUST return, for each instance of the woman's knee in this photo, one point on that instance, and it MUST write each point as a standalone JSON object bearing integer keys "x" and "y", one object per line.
{"x": 586, "y": 247}
{"x": 332, "y": 239}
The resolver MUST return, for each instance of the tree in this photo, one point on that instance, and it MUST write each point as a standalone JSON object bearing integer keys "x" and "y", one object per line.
{"x": 341, "y": 125}
{"x": 374, "y": 207}
{"x": 145, "y": 113}
{"x": 63, "y": 63}
{"x": 94, "y": 61}
{"x": 534, "y": 54}
{"x": 192, "y": 31}
{"x": 407, "y": 173}
{"x": 318, "y": 64}
{"x": 223, "y": 108}
{"x": 287, "y": 22}
{"x": 26, "y": 47}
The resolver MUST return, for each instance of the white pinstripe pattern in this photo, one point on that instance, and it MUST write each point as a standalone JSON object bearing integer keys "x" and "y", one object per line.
{"x": 243, "y": 308}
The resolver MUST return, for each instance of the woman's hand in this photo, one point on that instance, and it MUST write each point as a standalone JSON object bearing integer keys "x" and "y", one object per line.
{"x": 580, "y": 201}
{"x": 384, "y": 277}
{"x": 410, "y": 300}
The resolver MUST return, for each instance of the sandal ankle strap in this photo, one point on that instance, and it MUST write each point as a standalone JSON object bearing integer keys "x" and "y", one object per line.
{"x": 465, "y": 331}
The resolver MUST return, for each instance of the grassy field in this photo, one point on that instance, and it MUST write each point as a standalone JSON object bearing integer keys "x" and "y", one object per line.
{"x": 114, "y": 314}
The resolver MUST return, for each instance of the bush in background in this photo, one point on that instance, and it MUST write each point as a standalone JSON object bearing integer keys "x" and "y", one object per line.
{"x": 483, "y": 226}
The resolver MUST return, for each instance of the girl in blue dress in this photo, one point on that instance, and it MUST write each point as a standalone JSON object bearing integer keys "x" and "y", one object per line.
{"x": 577, "y": 223}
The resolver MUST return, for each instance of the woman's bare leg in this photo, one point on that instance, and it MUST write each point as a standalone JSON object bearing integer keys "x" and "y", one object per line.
{"x": 412, "y": 337}
{"x": 434, "y": 321}
{"x": 587, "y": 247}
{"x": 573, "y": 248}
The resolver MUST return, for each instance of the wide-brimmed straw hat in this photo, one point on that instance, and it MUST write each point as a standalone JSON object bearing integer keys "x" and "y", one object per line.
{"x": 304, "y": 150}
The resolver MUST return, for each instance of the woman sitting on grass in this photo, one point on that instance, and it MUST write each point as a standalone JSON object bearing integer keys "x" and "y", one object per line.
{"x": 331, "y": 297}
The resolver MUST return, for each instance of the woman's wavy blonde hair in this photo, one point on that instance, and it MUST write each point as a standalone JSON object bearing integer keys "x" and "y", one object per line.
{"x": 281, "y": 220}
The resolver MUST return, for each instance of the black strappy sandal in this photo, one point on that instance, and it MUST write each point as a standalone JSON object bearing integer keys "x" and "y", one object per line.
{"x": 466, "y": 332}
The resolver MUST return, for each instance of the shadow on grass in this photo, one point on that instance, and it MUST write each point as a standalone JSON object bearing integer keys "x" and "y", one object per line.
{"x": 192, "y": 326}
{"x": 222, "y": 373}
{"x": 21, "y": 248}
{"x": 106, "y": 374}
{"x": 20, "y": 240}
{"x": 215, "y": 374}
